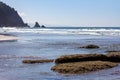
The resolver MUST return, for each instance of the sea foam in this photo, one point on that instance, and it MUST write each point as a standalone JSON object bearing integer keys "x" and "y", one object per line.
{"x": 80, "y": 31}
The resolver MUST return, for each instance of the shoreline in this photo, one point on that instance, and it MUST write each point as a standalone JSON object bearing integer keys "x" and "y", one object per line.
{"x": 7, "y": 38}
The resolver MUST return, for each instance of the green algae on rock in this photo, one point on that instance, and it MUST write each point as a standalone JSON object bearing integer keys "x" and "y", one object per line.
{"x": 82, "y": 67}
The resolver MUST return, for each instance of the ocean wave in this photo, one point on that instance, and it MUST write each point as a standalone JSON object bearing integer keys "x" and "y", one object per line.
{"x": 82, "y": 31}
{"x": 14, "y": 56}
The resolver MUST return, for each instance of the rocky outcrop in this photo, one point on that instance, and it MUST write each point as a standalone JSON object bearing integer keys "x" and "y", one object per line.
{"x": 42, "y": 26}
{"x": 82, "y": 67}
{"x": 38, "y": 26}
{"x": 90, "y": 46}
{"x": 80, "y": 58}
{"x": 9, "y": 17}
{"x": 113, "y": 56}
{"x": 82, "y": 63}
{"x": 37, "y": 61}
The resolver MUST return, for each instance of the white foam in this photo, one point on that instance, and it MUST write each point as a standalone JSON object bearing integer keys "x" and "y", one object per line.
{"x": 113, "y": 32}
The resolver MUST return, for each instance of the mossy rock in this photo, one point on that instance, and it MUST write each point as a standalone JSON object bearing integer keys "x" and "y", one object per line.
{"x": 80, "y": 58}
{"x": 82, "y": 67}
{"x": 113, "y": 56}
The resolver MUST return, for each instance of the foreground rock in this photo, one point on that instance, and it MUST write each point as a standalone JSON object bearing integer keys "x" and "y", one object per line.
{"x": 91, "y": 46}
{"x": 37, "y": 61}
{"x": 82, "y": 63}
{"x": 9, "y": 17}
{"x": 113, "y": 56}
{"x": 82, "y": 67}
{"x": 80, "y": 58}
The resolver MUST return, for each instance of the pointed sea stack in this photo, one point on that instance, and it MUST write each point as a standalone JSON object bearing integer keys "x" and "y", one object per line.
{"x": 37, "y": 25}
{"x": 9, "y": 17}
{"x": 42, "y": 26}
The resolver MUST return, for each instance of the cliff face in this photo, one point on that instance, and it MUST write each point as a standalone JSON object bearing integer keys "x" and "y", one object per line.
{"x": 9, "y": 17}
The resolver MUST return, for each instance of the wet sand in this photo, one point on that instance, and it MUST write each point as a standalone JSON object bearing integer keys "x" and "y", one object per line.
{"x": 7, "y": 38}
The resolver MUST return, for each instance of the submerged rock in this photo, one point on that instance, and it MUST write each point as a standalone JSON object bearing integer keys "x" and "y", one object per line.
{"x": 9, "y": 17}
{"x": 82, "y": 67}
{"x": 91, "y": 46}
{"x": 37, "y": 61}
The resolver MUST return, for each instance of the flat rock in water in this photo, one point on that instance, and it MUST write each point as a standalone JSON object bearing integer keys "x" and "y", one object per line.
{"x": 82, "y": 67}
{"x": 91, "y": 46}
{"x": 37, "y": 61}
{"x": 80, "y": 58}
{"x": 113, "y": 56}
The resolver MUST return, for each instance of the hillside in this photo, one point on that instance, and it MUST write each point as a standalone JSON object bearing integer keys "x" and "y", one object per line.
{"x": 9, "y": 17}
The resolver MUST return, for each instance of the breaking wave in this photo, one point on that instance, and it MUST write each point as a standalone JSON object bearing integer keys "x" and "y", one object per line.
{"x": 114, "y": 31}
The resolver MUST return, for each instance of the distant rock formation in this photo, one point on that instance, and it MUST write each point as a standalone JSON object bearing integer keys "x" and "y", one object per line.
{"x": 9, "y": 17}
{"x": 38, "y": 26}
{"x": 42, "y": 26}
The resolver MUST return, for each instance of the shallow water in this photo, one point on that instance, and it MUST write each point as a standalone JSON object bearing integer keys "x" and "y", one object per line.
{"x": 45, "y": 46}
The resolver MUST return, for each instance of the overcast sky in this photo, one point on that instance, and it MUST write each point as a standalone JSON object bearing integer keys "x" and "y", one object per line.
{"x": 68, "y": 12}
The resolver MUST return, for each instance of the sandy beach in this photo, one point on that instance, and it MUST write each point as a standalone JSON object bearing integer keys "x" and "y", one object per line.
{"x": 7, "y": 38}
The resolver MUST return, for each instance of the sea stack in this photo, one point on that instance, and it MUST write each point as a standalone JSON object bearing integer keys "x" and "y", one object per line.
{"x": 42, "y": 26}
{"x": 37, "y": 25}
{"x": 9, "y": 17}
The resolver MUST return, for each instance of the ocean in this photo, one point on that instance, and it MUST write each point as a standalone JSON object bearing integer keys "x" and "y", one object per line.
{"x": 50, "y": 43}
{"x": 115, "y": 31}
